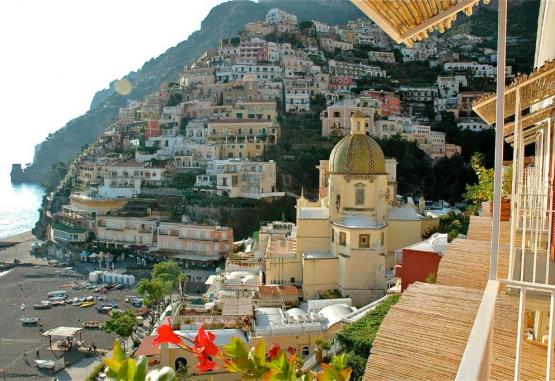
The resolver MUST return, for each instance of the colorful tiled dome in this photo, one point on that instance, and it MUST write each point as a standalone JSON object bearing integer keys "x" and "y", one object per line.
{"x": 357, "y": 154}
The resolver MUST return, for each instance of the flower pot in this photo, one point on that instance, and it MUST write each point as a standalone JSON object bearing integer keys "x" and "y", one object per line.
{"x": 505, "y": 209}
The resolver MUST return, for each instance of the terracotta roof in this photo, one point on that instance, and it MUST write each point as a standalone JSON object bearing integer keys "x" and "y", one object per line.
{"x": 275, "y": 290}
{"x": 147, "y": 348}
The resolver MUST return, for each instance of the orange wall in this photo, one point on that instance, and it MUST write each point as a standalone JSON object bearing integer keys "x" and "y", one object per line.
{"x": 416, "y": 266}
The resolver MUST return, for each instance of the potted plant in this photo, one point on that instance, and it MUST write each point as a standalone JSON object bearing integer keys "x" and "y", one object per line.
{"x": 483, "y": 189}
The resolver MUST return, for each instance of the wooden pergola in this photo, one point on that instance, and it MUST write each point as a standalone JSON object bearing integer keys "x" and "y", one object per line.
{"x": 407, "y": 21}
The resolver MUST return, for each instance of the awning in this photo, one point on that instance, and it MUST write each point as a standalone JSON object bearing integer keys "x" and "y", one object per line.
{"x": 532, "y": 89}
{"x": 407, "y": 21}
{"x": 93, "y": 255}
{"x": 85, "y": 254}
{"x": 62, "y": 331}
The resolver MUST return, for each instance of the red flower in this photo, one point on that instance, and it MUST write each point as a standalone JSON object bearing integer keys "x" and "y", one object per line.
{"x": 273, "y": 352}
{"x": 165, "y": 334}
{"x": 291, "y": 350}
{"x": 204, "y": 348}
{"x": 205, "y": 363}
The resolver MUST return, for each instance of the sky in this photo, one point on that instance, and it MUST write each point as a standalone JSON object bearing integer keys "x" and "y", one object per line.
{"x": 56, "y": 54}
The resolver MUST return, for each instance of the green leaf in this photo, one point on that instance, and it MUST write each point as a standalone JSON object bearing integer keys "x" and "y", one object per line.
{"x": 118, "y": 353}
{"x": 339, "y": 362}
{"x": 258, "y": 354}
{"x": 131, "y": 369}
{"x": 142, "y": 365}
{"x": 113, "y": 367}
{"x": 166, "y": 374}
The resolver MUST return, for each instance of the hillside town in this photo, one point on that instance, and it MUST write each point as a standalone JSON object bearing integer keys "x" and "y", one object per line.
{"x": 151, "y": 189}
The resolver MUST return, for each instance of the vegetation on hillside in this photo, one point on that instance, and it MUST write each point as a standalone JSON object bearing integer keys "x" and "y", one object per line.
{"x": 223, "y": 21}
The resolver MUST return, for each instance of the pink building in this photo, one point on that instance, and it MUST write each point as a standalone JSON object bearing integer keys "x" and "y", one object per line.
{"x": 152, "y": 128}
{"x": 195, "y": 242}
{"x": 391, "y": 103}
{"x": 339, "y": 82}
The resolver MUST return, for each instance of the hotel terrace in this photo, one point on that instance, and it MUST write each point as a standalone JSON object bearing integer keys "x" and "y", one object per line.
{"x": 492, "y": 312}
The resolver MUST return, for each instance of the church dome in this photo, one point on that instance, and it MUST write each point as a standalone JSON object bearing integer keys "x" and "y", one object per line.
{"x": 357, "y": 154}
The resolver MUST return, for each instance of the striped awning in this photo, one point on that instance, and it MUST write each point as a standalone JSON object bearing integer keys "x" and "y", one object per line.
{"x": 407, "y": 21}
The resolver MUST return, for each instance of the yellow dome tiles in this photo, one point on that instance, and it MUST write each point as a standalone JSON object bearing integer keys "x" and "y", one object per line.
{"x": 357, "y": 154}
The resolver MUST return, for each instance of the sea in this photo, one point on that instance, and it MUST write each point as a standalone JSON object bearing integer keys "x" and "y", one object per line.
{"x": 19, "y": 204}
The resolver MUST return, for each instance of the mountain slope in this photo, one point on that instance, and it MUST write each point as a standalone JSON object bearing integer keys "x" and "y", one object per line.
{"x": 223, "y": 21}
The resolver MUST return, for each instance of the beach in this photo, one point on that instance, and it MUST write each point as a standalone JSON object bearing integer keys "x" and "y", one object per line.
{"x": 29, "y": 284}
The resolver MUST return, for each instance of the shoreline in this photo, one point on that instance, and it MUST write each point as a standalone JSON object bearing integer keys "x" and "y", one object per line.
{"x": 18, "y": 238}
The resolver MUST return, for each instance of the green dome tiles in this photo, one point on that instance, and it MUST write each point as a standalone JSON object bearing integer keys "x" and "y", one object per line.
{"x": 357, "y": 154}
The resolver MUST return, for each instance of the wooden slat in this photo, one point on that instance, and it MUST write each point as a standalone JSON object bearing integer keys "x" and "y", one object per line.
{"x": 533, "y": 88}
{"x": 406, "y": 21}
{"x": 423, "y": 337}
{"x": 466, "y": 263}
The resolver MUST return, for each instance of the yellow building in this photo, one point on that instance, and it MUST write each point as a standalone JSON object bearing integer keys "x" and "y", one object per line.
{"x": 346, "y": 238}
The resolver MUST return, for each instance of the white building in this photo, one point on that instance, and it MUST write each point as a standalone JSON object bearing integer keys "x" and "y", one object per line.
{"x": 449, "y": 86}
{"x": 355, "y": 71}
{"x": 124, "y": 179}
{"x": 379, "y": 56}
{"x": 277, "y": 16}
{"x": 472, "y": 124}
{"x": 297, "y": 98}
{"x": 239, "y": 178}
{"x": 477, "y": 69}
{"x": 239, "y": 71}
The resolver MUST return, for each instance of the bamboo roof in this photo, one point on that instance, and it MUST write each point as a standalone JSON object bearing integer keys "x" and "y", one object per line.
{"x": 480, "y": 229}
{"x": 423, "y": 337}
{"x": 407, "y": 21}
{"x": 529, "y": 124}
{"x": 533, "y": 88}
{"x": 466, "y": 263}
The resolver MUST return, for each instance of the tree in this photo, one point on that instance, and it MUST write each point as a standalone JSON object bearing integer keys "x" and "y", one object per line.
{"x": 152, "y": 291}
{"x": 235, "y": 41}
{"x": 303, "y": 25}
{"x": 483, "y": 189}
{"x": 182, "y": 281}
{"x": 450, "y": 178}
{"x": 122, "y": 323}
{"x": 167, "y": 273}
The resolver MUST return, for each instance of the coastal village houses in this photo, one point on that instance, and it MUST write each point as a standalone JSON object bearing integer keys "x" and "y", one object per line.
{"x": 222, "y": 144}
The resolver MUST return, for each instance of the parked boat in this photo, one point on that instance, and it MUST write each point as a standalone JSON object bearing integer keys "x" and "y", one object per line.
{"x": 87, "y": 304}
{"x": 30, "y": 320}
{"x": 42, "y": 306}
{"x": 92, "y": 324}
{"x": 58, "y": 294}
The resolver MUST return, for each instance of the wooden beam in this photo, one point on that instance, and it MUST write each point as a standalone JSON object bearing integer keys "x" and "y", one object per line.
{"x": 433, "y": 21}
{"x": 366, "y": 8}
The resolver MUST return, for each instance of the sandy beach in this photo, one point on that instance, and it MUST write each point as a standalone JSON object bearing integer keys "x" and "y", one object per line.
{"x": 21, "y": 250}
{"x": 29, "y": 284}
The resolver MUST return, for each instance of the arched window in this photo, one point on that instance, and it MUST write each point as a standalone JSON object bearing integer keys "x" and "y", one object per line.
{"x": 360, "y": 194}
{"x": 305, "y": 352}
{"x": 180, "y": 363}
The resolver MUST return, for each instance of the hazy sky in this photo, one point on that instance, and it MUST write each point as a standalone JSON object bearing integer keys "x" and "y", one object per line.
{"x": 56, "y": 53}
